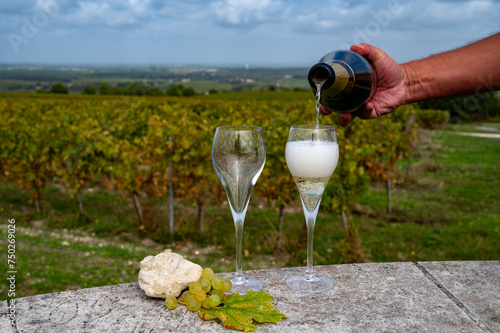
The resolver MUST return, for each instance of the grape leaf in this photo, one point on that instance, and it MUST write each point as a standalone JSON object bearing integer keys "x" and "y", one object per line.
{"x": 239, "y": 311}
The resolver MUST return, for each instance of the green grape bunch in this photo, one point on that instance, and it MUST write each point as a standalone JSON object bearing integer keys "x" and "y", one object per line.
{"x": 208, "y": 292}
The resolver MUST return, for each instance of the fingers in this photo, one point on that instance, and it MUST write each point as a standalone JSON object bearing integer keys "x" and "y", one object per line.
{"x": 346, "y": 118}
{"x": 324, "y": 111}
{"x": 343, "y": 119}
{"x": 368, "y": 111}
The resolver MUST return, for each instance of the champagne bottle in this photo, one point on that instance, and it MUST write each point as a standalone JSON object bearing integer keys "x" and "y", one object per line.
{"x": 345, "y": 81}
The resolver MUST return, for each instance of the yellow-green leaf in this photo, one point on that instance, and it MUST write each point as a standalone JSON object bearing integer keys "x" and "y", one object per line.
{"x": 239, "y": 311}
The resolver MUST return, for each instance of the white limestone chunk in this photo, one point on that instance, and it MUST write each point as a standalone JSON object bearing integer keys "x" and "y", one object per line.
{"x": 167, "y": 274}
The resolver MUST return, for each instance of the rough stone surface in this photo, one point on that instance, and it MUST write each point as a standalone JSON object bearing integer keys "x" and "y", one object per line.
{"x": 5, "y": 325}
{"x": 384, "y": 297}
{"x": 167, "y": 274}
{"x": 474, "y": 286}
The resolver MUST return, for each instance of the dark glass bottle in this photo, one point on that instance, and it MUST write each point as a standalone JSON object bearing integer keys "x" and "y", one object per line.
{"x": 345, "y": 79}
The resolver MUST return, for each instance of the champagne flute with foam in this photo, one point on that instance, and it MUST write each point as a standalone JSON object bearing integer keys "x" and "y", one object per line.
{"x": 239, "y": 155}
{"x": 311, "y": 155}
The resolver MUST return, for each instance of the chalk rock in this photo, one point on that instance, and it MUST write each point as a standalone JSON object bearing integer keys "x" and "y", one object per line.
{"x": 167, "y": 274}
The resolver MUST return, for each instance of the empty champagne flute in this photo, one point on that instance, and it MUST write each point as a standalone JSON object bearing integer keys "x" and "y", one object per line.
{"x": 239, "y": 155}
{"x": 312, "y": 154}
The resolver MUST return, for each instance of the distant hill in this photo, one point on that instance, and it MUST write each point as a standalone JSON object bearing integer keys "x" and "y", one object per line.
{"x": 29, "y": 78}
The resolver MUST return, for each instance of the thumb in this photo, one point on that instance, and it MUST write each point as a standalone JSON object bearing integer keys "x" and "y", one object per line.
{"x": 369, "y": 52}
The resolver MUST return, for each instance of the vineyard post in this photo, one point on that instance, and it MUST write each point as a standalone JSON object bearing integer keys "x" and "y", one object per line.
{"x": 280, "y": 228}
{"x": 389, "y": 206}
{"x": 170, "y": 193}
{"x": 344, "y": 219}
{"x": 38, "y": 198}
{"x": 201, "y": 216}
{"x": 138, "y": 209}
{"x": 80, "y": 201}
{"x": 408, "y": 132}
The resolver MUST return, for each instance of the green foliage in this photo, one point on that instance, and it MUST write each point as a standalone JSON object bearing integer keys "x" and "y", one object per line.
{"x": 104, "y": 88}
{"x": 77, "y": 139}
{"x": 475, "y": 107}
{"x": 58, "y": 88}
{"x": 239, "y": 311}
{"x": 130, "y": 90}
{"x": 180, "y": 90}
{"x": 33, "y": 143}
{"x": 432, "y": 119}
{"x": 89, "y": 90}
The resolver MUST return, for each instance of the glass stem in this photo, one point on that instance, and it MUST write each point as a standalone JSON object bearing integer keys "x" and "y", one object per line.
{"x": 310, "y": 222}
{"x": 238, "y": 225}
{"x": 310, "y": 235}
{"x": 239, "y": 221}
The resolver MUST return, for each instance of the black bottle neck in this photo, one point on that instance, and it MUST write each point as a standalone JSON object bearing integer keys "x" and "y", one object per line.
{"x": 321, "y": 73}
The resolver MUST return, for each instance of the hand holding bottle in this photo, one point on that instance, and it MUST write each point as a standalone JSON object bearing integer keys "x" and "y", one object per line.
{"x": 471, "y": 69}
{"x": 390, "y": 90}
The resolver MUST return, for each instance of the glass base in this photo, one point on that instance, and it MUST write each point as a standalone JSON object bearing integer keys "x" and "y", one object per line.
{"x": 242, "y": 286}
{"x": 305, "y": 284}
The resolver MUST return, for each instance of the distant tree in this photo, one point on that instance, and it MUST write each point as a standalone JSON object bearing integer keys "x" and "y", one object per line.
{"x": 58, "y": 88}
{"x": 127, "y": 90}
{"x": 137, "y": 90}
{"x": 40, "y": 91}
{"x": 104, "y": 88}
{"x": 212, "y": 91}
{"x": 155, "y": 92}
{"x": 175, "y": 90}
{"x": 467, "y": 108}
{"x": 89, "y": 90}
{"x": 141, "y": 90}
{"x": 272, "y": 87}
{"x": 180, "y": 90}
{"x": 188, "y": 92}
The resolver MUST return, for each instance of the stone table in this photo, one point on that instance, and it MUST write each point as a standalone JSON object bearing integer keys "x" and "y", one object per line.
{"x": 372, "y": 297}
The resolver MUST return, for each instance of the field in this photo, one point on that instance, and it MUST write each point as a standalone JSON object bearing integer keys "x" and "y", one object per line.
{"x": 447, "y": 208}
{"x": 200, "y": 78}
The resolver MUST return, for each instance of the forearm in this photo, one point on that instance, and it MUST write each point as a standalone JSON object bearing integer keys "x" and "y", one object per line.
{"x": 471, "y": 69}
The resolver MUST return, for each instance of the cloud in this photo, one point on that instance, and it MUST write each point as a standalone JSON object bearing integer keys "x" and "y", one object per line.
{"x": 329, "y": 18}
{"x": 432, "y": 14}
{"x": 181, "y": 10}
{"x": 108, "y": 13}
{"x": 18, "y": 7}
{"x": 219, "y": 31}
{"x": 248, "y": 12}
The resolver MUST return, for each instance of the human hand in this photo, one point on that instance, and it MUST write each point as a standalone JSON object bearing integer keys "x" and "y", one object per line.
{"x": 390, "y": 92}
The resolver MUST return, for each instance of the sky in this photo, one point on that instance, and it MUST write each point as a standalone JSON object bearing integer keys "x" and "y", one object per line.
{"x": 233, "y": 32}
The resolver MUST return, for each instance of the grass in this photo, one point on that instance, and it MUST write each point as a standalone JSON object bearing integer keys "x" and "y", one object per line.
{"x": 449, "y": 213}
{"x": 447, "y": 209}
{"x": 479, "y": 128}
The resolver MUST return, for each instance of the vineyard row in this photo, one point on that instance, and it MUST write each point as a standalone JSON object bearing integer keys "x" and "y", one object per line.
{"x": 132, "y": 142}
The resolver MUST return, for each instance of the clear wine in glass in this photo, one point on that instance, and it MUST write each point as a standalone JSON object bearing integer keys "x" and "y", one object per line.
{"x": 311, "y": 155}
{"x": 239, "y": 155}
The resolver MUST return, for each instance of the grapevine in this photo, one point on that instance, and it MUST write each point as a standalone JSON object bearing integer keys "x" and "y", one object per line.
{"x": 76, "y": 140}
